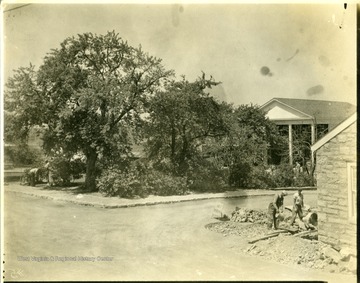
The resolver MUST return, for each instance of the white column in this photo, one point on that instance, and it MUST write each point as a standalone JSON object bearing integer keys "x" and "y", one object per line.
{"x": 313, "y": 136}
{"x": 290, "y": 145}
{"x": 313, "y": 140}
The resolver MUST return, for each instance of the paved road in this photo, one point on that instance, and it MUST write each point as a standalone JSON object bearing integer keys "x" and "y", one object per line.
{"x": 162, "y": 242}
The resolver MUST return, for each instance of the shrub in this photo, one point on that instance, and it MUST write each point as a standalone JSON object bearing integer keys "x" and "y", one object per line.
{"x": 208, "y": 178}
{"x": 240, "y": 174}
{"x": 139, "y": 179}
{"x": 246, "y": 175}
{"x": 64, "y": 169}
{"x": 258, "y": 179}
{"x": 163, "y": 184}
{"x": 115, "y": 182}
{"x": 303, "y": 180}
{"x": 283, "y": 176}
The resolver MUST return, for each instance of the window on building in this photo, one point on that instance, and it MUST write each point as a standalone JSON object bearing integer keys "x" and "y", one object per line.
{"x": 351, "y": 170}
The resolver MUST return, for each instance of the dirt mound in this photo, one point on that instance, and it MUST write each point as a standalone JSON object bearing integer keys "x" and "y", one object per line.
{"x": 284, "y": 248}
{"x": 289, "y": 249}
{"x": 247, "y": 230}
{"x": 248, "y": 215}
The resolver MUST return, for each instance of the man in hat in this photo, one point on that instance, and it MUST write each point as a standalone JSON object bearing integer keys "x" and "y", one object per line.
{"x": 297, "y": 206}
{"x": 275, "y": 207}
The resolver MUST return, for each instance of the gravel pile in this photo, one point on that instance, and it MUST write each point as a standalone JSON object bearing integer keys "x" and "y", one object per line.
{"x": 248, "y": 215}
{"x": 246, "y": 230}
{"x": 284, "y": 248}
{"x": 288, "y": 249}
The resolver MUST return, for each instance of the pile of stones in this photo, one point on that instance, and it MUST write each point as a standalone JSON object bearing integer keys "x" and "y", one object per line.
{"x": 286, "y": 248}
{"x": 248, "y": 215}
{"x": 245, "y": 230}
{"x": 312, "y": 254}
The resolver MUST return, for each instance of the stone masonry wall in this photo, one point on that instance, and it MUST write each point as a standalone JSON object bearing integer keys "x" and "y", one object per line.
{"x": 332, "y": 186}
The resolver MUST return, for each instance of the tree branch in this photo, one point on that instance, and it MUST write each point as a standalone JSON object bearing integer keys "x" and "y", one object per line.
{"x": 122, "y": 114}
{"x": 94, "y": 64}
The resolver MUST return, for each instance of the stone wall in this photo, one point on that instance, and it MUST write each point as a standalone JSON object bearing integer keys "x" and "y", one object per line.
{"x": 332, "y": 183}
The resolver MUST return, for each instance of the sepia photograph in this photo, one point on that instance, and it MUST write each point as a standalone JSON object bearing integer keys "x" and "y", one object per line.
{"x": 178, "y": 141}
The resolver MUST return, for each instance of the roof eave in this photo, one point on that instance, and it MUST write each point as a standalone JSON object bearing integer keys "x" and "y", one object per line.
{"x": 287, "y": 105}
{"x": 337, "y": 130}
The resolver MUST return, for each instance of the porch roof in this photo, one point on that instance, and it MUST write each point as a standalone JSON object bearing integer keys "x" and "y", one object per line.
{"x": 303, "y": 110}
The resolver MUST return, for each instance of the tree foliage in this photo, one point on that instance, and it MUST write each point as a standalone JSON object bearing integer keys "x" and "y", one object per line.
{"x": 244, "y": 150}
{"x": 180, "y": 119}
{"x": 191, "y": 133}
{"x": 22, "y": 104}
{"x": 95, "y": 95}
{"x": 87, "y": 95}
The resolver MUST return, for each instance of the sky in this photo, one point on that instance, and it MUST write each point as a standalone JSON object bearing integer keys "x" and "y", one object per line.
{"x": 257, "y": 51}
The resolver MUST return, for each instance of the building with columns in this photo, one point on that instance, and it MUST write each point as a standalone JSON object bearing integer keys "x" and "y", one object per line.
{"x": 318, "y": 117}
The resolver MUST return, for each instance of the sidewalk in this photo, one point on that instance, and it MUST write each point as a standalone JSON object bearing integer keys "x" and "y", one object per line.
{"x": 72, "y": 195}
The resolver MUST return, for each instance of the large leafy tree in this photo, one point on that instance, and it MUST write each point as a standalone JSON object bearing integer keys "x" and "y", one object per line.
{"x": 262, "y": 132}
{"x": 86, "y": 95}
{"x": 249, "y": 136}
{"x": 18, "y": 121}
{"x": 21, "y": 105}
{"x": 180, "y": 119}
{"x": 244, "y": 150}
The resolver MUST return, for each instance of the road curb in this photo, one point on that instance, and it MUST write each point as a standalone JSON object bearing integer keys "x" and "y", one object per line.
{"x": 134, "y": 204}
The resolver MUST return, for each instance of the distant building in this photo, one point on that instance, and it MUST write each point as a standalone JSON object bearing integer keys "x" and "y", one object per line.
{"x": 317, "y": 116}
{"x": 336, "y": 184}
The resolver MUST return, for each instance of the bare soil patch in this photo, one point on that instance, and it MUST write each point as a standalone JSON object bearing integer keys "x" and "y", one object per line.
{"x": 287, "y": 248}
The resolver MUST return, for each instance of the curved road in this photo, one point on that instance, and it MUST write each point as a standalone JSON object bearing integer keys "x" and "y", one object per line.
{"x": 162, "y": 242}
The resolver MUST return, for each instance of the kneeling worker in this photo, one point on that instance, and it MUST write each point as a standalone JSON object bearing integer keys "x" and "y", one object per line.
{"x": 34, "y": 176}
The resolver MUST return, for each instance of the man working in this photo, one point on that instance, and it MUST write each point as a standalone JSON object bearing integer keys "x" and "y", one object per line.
{"x": 33, "y": 176}
{"x": 275, "y": 207}
{"x": 298, "y": 206}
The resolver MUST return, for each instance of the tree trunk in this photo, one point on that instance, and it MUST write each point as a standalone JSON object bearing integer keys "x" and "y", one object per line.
{"x": 173, "y": 141}
{"x": 183, "y": 155}
{"x": 90, "y": 178}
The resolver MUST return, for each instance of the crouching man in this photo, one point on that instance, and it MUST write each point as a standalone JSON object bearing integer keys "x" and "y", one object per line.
{"x": 33, "y": 176}
{"x": 275, "y": 208}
